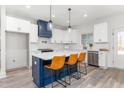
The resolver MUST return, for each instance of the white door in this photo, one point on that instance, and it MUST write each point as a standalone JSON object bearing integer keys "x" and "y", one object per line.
{"x": 119, "y": 49}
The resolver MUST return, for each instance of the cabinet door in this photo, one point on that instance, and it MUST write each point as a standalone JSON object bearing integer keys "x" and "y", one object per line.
{"x": 34, "y": 33}
{"x": 55, "y": 36}
{"x": 58, "y": 36}
{"x": 65, "y": 36}
{"x": 24, "y": 26}
{"x": 102, "y": 59}
{"x": 12, "y": 24}
{"x": 17, "y": 25}
{"x": 101, "y": 32}
{"x": 74, "y": 37}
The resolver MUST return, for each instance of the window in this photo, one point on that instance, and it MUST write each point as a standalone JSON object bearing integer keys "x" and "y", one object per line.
{"x": 86, "y": 39}
{"x": 121, "y": 43}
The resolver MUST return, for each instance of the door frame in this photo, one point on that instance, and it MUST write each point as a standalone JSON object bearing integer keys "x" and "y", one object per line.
{"x": 115, "y": 37}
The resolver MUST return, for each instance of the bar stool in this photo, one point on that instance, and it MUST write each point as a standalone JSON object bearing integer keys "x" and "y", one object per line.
{"x": 56, "y": 64}
{"x": 71, "y": 61}
{"x": 81, "y": 59}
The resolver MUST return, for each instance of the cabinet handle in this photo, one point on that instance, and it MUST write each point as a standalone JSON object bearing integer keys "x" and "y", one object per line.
{"x": 99, "y": 39}
{"x": 18, "y": 28}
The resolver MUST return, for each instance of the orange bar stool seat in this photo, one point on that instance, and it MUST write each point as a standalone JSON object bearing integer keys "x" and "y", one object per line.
{"x": 73, "y": 58}
{"x": 56, "y": 64}
{"x": 81, "y": 59}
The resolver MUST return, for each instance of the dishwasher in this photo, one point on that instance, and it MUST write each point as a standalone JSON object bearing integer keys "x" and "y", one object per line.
{"x": 93, "y": 57}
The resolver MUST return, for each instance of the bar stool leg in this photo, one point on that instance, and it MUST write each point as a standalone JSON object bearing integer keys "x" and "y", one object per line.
{"x": 52, "y": 74}
{"x": 84, "y": 71}
{"x": 79, "y": 70}
{"x": 85, "y": 68}
{"x": 68, "y": 72}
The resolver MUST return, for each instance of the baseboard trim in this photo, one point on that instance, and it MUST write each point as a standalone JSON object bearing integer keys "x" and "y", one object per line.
{"x": 14, "y": 69}
{"x": 2, "y": 76}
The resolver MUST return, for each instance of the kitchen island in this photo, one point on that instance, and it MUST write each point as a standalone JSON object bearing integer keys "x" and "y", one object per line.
{"x": 41, "y": 75}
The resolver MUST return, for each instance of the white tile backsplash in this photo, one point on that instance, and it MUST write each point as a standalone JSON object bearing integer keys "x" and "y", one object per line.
{"x": 47, "y": 44}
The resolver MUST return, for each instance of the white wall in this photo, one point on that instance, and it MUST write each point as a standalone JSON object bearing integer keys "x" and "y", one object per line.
{"x": 114, "y": 22}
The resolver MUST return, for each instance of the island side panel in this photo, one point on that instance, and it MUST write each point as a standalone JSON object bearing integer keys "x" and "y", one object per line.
{"x": 37, "y": 71}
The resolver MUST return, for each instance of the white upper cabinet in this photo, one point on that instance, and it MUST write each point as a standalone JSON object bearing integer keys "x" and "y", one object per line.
{"x": 57, "y": 35}
{"x": 101, "y": 33}
{"x": 17, "y": 25}
{"x": 63, "y": 36}
{"x": 74, "y": 37}
{"x": 34, "y": 33}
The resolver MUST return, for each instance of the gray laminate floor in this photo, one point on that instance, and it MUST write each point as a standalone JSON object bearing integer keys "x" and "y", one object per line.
{"x": 96, "y": 78}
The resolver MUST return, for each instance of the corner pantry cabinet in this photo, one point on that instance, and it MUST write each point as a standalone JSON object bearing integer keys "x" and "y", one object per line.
{"x": 17, "y": 25}
{"x": 101, "y": 33}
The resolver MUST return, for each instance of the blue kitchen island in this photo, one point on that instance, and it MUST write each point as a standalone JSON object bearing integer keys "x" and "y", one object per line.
{"x": 41, "y": 75}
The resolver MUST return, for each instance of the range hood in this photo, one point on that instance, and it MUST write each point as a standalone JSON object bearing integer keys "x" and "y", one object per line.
{"x": 43, "y": 30}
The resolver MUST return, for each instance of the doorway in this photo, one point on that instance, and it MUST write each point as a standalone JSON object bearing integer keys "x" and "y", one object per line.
{"x": 119, "y": 49}
{"x": 16, "y": 50}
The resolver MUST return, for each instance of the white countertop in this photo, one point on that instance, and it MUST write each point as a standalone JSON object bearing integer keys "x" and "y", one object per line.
{"x": 50, "y": 55}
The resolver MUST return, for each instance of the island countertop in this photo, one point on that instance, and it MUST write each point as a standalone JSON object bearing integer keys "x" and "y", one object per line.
{"x": 50, "y": 55}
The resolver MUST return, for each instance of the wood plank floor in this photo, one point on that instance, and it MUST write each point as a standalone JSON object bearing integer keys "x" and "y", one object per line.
{"x": 96, "y": 78}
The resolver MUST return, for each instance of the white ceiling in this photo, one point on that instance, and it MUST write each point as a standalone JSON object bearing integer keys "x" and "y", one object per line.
{"x": 61, "y": 13}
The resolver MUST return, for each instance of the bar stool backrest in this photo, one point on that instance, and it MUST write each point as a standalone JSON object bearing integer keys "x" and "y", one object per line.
{"x": 57, "y": 62}
{"x": 72, "y": 59}
{"x": 82, "y": 57}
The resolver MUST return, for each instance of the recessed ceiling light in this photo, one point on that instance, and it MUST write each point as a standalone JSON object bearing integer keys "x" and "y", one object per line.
{"x": 53, "y": 15}
{"x": 85, "y": 15}
{"x": 28, "y": 6}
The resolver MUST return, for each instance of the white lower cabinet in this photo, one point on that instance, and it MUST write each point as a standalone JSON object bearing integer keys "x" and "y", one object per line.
{"x": 103, "y": 60}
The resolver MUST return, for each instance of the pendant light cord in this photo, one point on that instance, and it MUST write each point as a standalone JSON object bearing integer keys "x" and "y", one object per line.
{"x": 50, "y": 13}
{"x": 69, "y": 17}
